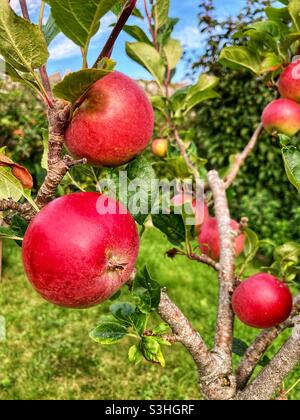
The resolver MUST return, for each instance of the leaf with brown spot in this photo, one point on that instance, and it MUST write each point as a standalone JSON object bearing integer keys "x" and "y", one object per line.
{"x": 21, "y": 173}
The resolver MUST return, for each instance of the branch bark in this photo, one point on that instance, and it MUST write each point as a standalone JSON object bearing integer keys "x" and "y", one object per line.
{"x": 269, "y": 380}
{"x": 241, "y": 158}
{"x": 24, "y": 9}
{"x": 259, "y": 347}
{"x": 23, "y": 209}
{"x": 225, "y": 318}
{"x": 58, "y": 166}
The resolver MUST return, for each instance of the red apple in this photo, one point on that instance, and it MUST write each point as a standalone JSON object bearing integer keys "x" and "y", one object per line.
{"x": 199, "y": 207}
{"x": 209, "y": 239}
{"x": 113, "y": 124}
{"x": 160, "y": 147}
{"x": 289, "y": 82}
{"x": 282, "y": 116}
{"x": 262, "y": 301}
{"x": 75, "y": 255}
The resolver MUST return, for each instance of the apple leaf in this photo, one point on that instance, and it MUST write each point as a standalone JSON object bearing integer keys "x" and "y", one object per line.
{"x": 22, "y": 44}
{"x": 8, "y": 233}
{"x": 50, "y": 30}
{"x": 79, "y": 20}
{"x": 294, "y": 10}
{"x": 199, "y": 97}
{"x": 172, "y": 226}
{"x": 240, "y": 57}
{"x": 134, "y": 354}
{"x": 147, "y": 290}
{"x": 18, "y": 171}
{"x": 24, "y": 78}
{"x": 151, "y": 350}
{"x": 137, "y": 33}
{"x": 123, "y": 312}
{"x": 108, "y": 333}
{"x": 173, "y": 52}
{"x": 148, "y": 57}
{"x": 291, "y": 158}
{"x": 278, "y": 14}
{"x": 74, "y": 85}
{"x": 161, "y": 12}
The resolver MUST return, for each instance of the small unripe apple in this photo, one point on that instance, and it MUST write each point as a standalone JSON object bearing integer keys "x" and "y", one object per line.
{"x": 199, "y": 207}
{"x": 209, "y": 239}
{"x": 160, "y": 147}
{"x": 289, "y": 82}
{"x": 262, "y": 301}
{"x": 282, "y": 116}
{"x": 77, "y": 256}
{"x": 113, "y": 124}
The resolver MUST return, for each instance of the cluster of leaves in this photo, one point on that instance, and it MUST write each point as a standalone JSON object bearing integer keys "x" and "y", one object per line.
{"x": 223, "y": 127}
{"x": 131, "y": 320}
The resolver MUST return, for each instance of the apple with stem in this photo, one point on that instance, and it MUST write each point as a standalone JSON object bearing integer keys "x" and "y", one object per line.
{"x": 282, "y": 116}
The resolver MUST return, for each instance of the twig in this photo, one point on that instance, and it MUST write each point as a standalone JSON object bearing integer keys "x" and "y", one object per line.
{"x": 267, "y": 382}
{"x": 41, "y": 15}
{"x": 47, "y": 85}
{"x": 259, "y": 347}
{"x": 108, "y": 47}
{"x": 24, "y": 9}
{"x": 23, "y": 209}
{"x": 225, "y": 321}
{"x": 205, "y": 259}
{"x": 172, "y": 339}
{"x": 240, "y": 159}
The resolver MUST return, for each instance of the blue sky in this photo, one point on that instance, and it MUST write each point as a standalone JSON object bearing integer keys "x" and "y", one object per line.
{"x": 65, "y": 56}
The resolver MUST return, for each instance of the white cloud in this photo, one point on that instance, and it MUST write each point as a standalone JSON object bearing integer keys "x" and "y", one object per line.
{"x": 63, "y": 48}
{"x": 190, "y": 37}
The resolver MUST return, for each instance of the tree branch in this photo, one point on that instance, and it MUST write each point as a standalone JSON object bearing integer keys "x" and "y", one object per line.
{"x": 23, "y": 209}
{"x": 268, "y": 381}
{"x": 241, "y": 158}
{"x": 205, "y": 259}
{"x": 24, "y": 9}
{"x": 259, "y": 347}
{"x": 108, "y": 47}
{"x": 225, "y": 319}
{"x": 58, "y": 166}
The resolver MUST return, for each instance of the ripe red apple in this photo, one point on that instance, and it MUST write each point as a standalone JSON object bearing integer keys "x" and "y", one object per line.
{"x": 209, "y": 239}
{"x": 282, "y": 116}
{"x": 75, "y": 255}
{"x": 289, "y": 82}
{"x": 262, "y": 301}
{"x": 199, "y": 207}
{"x": 160, "y": 147}
{"x": 113, "y": 124}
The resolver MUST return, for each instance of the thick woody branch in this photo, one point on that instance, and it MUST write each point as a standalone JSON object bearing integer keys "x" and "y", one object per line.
{"x": 259, "y": 347}
{"x": 241, "y": 158}
{"x": 269, "y": 380}
{"x": 58, "y": 166}
{"x": 225, "y": 321}
{"x": 184, "y": 332}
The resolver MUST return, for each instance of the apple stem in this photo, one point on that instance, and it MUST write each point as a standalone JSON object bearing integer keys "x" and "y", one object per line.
{"x": 108, "y": 47}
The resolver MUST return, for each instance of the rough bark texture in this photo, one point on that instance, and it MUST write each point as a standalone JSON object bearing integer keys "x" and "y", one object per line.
{"x": 269, "y": 380}
{"x": 225, "y": 318}
{"x": 23, "y": 209}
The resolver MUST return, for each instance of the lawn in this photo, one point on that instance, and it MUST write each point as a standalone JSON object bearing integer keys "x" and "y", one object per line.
{"x": 48, "y": 354}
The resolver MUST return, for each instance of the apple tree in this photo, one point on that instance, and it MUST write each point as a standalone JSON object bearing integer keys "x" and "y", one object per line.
{"x": 80, "y": 249}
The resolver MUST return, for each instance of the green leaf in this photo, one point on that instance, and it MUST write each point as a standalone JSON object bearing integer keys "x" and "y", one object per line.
{"x": 19, "y": 226}
{"x": 160, "y": 104}
{"x": 239, "y": 57}
{"x": 152, "y": 351}
{"x": 22, "y": 44}
{"x": 50, "y": 30}
{"x": 24, "y": 78}
{"x": 161, "y": 12}
{"x": 147, "y": 290}
{"x": 148, "y": 57}
{"x": 173, "y": 52}
{"x": 74, "y": 85}
{"x": 239, "y": 348}
{"x": 294, "y": 10}
{"x": 137, "y": 33}
{"x": 291, "y": 158}
{"x": 134, "y": 354}
{"x": 44, "y": 161}
{"x": 205, "y": 82}
{"x": 172, "y": 225}
{"x": 123, "y": 312}
{"x": 79, "y": 20}
{"x": 108, "y": 333}
{"x": 7, "y": 233}
{"x": 141, "y": 172}
{"x": 161, "y": 329}
{"x": 199, "y": 97}
{"x": 280, "y": 14}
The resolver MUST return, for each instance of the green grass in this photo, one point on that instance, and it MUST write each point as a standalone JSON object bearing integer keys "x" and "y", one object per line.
{"x": 48, "y": 354}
